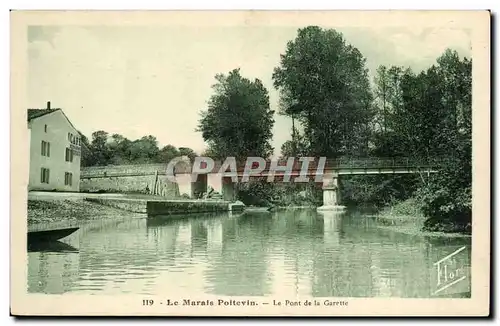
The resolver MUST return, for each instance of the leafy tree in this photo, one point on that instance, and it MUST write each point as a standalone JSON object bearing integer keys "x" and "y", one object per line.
{"x": 185, "y": 151}
{"x": 87, "y": 154}
{"x": 447, "y": 197}
{"x": 428, "y": 115}
{"x": 167, "y": 153}
{"x": 119, "y": 147}
{"x": 382, "y": 94}
{"x": 238, "y": 120}
{"x": 144, "y": 150}
{"x": 296, "y": 147}
{"x": 324, "y": 82}
{"x": 100, "y": 150}
{"x": 117, "y": 150}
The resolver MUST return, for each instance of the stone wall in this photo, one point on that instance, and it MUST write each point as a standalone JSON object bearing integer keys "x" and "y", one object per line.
{"x": 143, "y": 178}
{"x": 122, "y": 170}
{"x": 156, "y": 208}
{"x": 130, "y": 205}
{"x": 167, "y": 207}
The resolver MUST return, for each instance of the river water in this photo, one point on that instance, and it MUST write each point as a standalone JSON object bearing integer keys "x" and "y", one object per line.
{"x": 252, "y": 254}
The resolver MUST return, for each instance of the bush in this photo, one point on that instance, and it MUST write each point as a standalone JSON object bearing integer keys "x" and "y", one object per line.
{"x": 256, "y": 193}
{"x": 447, "y": 201}
{"x": 377, "y": 190}
{"x": 262, "y": 193}
{"x": 410, "y": 207}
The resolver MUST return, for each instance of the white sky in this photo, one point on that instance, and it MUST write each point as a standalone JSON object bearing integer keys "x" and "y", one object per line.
{"x": 139, "y": 81}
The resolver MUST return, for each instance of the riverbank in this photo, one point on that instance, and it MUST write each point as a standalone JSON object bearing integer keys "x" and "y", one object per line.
{"x": 406, "y": 217}
{"x": 64, "y": 210}
{"x": 55, "y": 208}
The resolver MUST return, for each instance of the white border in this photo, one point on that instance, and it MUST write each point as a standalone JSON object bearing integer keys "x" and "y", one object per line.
{"x": 149, "y": 4}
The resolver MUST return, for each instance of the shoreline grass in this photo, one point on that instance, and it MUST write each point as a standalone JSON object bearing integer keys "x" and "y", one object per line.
{"x": 412, "y": 225}
{"x": 406, "y": 217}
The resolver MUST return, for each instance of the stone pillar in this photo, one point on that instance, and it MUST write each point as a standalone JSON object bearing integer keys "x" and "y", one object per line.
{"x": 331, "y": 192}
{"x": 228, "y": 191}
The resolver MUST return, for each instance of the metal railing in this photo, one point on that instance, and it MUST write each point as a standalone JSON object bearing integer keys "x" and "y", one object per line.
{"x": 334, "y": 163}
{"x": 377, "y": 163}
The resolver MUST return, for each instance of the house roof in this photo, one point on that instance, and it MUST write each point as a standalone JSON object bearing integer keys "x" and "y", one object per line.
{"x": 37, "y": 113}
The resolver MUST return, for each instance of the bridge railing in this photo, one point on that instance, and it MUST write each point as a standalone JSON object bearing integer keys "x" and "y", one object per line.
{"x": 333, "y": 163}
{"x": 396, "y": 162}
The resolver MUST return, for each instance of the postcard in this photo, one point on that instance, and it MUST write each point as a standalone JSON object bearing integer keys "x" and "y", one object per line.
{"x": 250, "y": 163}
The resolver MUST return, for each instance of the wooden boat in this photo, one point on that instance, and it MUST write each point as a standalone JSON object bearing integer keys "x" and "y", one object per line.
{"x": 50, "y": 235}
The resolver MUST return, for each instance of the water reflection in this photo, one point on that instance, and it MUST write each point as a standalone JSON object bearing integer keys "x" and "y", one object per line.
{"x": 51, "y": 246}
{"x": 52, "y": 272}
{"x": 258, "y": 254}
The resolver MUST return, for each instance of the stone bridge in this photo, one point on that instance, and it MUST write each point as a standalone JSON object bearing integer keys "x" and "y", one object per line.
{"x": 153, "y": 178}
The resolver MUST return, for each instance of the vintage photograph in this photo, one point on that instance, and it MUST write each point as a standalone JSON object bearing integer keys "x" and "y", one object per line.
{"x": 252, "y": 165}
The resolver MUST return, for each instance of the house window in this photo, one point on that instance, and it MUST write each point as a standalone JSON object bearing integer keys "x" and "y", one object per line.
{"x": 44, "y": 175}
{"x": 69, "y": 155}
{"x": 45, "y": 148}
{"x": 68, "y": 179}
{"x": 45, "y": 128}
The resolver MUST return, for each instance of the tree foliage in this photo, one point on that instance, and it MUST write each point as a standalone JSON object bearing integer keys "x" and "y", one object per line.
{"x": 118, "y": 150}
{"x": 324, "y": 84}
{"x": 428, "y": 115}
{"x": 238, "y": 121}
{"x": 423, "y": 115}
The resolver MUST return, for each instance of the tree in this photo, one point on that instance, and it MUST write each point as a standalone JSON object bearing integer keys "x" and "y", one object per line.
{"x": 186, "y": 151}
{"x": 238, "y": 120}
{"x": 118, "y": 150}
{"x": 288, "y": 106}
{"x": 325, "y": 83}
{"x": 144, "y": 150}
{"x": 167, "y": 153}
{"x": 294, "y": 148}
{"x": 87, "y": 154}
{"x": 387, "y": 129}
{"x": 100, "y": 150}
{"x": 119, "y": 147}
{"x": 428, "y": 115}
{"x": 382, "y": 94}
{"x": 447, "y": 197}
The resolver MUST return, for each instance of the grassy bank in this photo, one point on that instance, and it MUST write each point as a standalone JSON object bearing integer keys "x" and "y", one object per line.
{"x": 406, "y": 217}
{"x": 59, "y": 210}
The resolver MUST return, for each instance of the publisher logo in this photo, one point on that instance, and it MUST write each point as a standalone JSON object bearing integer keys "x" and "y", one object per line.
{"x": 451, "y": 274}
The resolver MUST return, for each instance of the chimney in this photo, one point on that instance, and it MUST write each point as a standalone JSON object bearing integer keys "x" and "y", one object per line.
{"x": 48, "y": 105}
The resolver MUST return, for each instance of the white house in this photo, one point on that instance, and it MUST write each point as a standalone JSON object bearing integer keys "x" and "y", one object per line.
{"x": 55, "y": 151}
